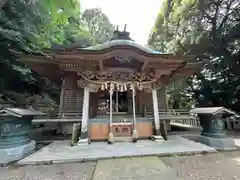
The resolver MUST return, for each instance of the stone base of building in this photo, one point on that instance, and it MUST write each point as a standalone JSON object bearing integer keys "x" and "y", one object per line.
{"x": 13, "y": 154}
{"x": 83, "y": 142}
{"x": 218, "y": 143}
{"x": 135, "y": 135}
{"x": 157, "y": 138}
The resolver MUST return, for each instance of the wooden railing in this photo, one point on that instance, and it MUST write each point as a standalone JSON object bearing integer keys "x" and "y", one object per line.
{"x": 180, "y": 116}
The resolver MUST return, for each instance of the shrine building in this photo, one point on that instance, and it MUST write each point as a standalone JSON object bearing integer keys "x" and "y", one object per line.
{"x": 111, "y": 86}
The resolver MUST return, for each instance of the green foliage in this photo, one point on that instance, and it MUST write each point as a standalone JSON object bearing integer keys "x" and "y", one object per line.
{"x": 98, "y": 25}
{"x": 30, "y": 26}
{"x": 209, "y": 30}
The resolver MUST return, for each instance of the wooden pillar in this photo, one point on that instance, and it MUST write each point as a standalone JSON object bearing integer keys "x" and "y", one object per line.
{"x": 110, "y": 136}
{"x": 85, "y": 114}
{"x": 61, "y": 111}
{"x": 129, "y": 101}
{"x": 116, "y": 105}
{"x": 157, "y": 134}
{"x": 163, "y": 104}
{"x": 111, "y": 107}
{"x": 134, "y": 115}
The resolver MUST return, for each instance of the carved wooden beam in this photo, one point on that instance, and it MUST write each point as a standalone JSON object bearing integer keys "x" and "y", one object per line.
{"x": 118, "y": 52}
{"x": 160, "y": 82}
{"x": 160, "y": 72}
{"x": 78, "y": 67}
{"x": 145, "y": 64}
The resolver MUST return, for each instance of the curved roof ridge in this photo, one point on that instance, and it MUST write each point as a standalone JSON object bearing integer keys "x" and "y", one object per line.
{"x": 122, "y": 42}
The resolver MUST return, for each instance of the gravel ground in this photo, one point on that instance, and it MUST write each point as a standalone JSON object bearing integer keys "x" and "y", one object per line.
{"x": 71, "y": 171}
{"x": 216, "y": 166}
{"x": 136, "y": 168}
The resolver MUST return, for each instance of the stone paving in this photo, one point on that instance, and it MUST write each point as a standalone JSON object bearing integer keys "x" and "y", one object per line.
{"x": 214, "y": 166}
{"x": 61, "y": 152}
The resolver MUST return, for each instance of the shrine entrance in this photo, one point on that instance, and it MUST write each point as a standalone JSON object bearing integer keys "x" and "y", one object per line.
{"x": 119, "y": 103}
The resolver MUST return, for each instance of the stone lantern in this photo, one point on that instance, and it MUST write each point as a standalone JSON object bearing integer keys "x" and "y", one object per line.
{"x": 15, "y": 124}
{"x": 212, "y": 121}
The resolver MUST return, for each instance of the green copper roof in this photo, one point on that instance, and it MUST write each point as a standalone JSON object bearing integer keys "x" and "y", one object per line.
{"x": 122, "y": 42}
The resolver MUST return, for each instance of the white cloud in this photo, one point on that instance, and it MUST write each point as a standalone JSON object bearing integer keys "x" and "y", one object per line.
{"x": 139, "y": 15}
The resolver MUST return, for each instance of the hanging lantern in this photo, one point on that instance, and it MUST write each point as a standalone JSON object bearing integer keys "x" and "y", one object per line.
{"x": 121, "y": 89}
{"x": 125, "y": 87}
{"x": 131, "y": 87}
{"x": 140, "y": 87}
{"x": 106, "y": 86}
{"x": 102, "y": 87}
{"x": 112, "y": 86}
{"x": 118, "y": 87}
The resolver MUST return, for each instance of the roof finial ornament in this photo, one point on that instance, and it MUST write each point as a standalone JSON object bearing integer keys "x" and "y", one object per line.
{"x": 125, "y": 27}
{"x": 121, "y": 34}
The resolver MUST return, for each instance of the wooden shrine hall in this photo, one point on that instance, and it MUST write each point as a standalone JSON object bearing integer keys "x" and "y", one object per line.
{"x": 111, "y": 86}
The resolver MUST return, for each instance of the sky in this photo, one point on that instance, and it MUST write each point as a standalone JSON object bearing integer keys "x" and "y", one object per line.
{"x": 139, "y": 15}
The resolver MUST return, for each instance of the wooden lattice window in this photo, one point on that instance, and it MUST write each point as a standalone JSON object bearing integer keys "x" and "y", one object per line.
{"x": 73, "y": 100}
{"x": 67, "y": 102}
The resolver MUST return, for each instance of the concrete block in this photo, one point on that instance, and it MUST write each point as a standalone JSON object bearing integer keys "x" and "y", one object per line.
{"x": 13, "y": 154}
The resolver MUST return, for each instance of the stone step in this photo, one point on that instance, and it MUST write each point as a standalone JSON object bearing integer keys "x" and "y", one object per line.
{"x": 123, "y": 139}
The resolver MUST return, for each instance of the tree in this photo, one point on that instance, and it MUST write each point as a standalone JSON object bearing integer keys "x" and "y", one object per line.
{"x": 209, "y": 30}
{"x": 30, "y": 26}
{"x": 98, "y": 25}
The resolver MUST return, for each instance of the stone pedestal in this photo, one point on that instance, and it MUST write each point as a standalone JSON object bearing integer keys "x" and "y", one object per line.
{"x": 15, "y": 124}
{"x": 83, "y": 141}
{"x": 14, "y": 131}
{"x": 157, "y": 138}
{"x": 218, "y": 143}
{"x": 14, "y": 140}
{"x": 110, "y": 138}
{"x": 134, "y": 135}
{"x": 75, "y": 133}
{"x": 8, "y": 155}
